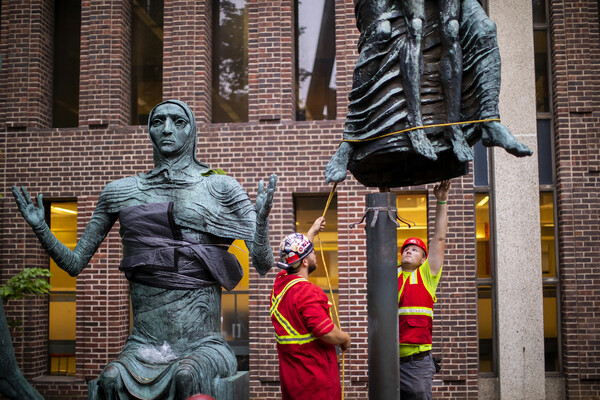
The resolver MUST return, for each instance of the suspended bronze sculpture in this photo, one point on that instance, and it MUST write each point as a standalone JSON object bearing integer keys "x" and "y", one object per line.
{"x": 425, "y": 89}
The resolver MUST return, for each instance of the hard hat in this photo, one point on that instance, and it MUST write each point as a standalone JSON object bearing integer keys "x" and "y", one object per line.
{"x": 200, "y": 397}
{"x": 293, "y": 248}
{"x": 416, "y": 242}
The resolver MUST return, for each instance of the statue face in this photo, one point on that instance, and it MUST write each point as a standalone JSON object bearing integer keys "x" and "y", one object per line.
{"x": 170, "y": 129}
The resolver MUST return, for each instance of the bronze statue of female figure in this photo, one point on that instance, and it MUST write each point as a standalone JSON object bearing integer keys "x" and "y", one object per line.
{"x": 177, "y": 222}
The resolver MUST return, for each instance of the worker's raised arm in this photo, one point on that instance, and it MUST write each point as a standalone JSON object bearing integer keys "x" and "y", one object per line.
{"x": 437, "y": 247}
{"x": 316, "y": 227}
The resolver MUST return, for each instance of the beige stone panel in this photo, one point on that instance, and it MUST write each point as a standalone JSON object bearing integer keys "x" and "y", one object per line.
{"x": 516, "y": 192}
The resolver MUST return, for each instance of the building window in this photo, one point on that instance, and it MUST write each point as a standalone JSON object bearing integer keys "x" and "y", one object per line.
{"x": 235, "y": 315}
{"x": 65, "y": 85}
{"x": 411, "y": 207}
{"x": 307, "y": 209}
{"x": 61, "y": 330}
{"x": 147, "y": 58}
{"x": 230, "y": 61}
{"x": 315, "y": 60}
{"x": 485, "y": 285}
{"x": 550, "y": 282}
{"x": 550, "y": 276}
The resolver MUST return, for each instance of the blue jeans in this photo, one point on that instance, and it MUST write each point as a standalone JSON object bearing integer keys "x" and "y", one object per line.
{"x": 416, "y": 378}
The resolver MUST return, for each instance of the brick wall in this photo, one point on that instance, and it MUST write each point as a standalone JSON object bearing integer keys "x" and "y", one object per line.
{"x": 576, "y": 89}
{"x": 78, "y": 162}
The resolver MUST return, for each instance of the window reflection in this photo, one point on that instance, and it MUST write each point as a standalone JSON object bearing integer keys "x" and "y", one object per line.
{"x": 480, "y": 165}
{"x": 235, "y": 315}
{"x": 482, "y": 234}
{"x": 547, "y": 227}
{"x": 539, "y": 11}
{"x": 147, "y": 58}
{"x": 61, "y": 330}
{"x": 307, "y": 209}
{"x": 65, "y": 88}
{"x": 412, "y": 207}
{"x": 485, "y": 284}
{"x": 230, "y": 61}
{"x": 485, "y": 327}
{"x": 551, "y": 356}
{"x": 542, "y": 88}
{"x": 315, "y": 60}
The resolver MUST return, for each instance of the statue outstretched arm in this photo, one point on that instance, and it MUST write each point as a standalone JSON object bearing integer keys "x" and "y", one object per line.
{"x": 72, "y": 261}
{"x": 260, "y": 247}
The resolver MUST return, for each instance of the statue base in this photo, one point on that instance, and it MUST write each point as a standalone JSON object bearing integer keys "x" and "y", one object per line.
{"x": 236, "y": 387}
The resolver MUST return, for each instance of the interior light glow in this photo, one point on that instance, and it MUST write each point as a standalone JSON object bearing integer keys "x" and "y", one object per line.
{"x": 483, "y": 201}
{"x": 63, "y": 210}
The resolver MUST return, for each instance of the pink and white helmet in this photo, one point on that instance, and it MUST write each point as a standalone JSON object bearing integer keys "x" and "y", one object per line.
{"x": 293, "y": 248}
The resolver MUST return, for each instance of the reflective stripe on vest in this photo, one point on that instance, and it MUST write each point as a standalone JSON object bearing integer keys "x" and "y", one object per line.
{"x": 292, "y": 337}
{"x": 415, "y": 311}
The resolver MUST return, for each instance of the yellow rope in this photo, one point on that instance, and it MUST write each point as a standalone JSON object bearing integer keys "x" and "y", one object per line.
{"x": 421, "y": 127}
{"x": 337, "y": 316}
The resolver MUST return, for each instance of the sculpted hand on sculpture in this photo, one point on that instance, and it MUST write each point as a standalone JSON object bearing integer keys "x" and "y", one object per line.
{"x": 177, "y": 223}
{"x": 434, "y": 65}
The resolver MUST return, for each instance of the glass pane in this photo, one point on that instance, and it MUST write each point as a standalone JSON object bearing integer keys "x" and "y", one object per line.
{"x": 539, "y": 11}
{"x": 480, "y": 165}
{"x": 65, "y": 84}
{"x": 413, "y": 208}
{"x": 235, "y": 316}
{"x": 308, "y": 209}
{"x": 547, "y": 227}
{"x": 550, "y": 329}
{"x": 542, "y": 94}
{"x": 147, "y": 58}
{"x": 230, "y": 61}
{"x": 315, "y": 68}
{"x": 61, "y": 329}
{"x": 486, "y": 332}
{"x": 482, "y": 234}
{"x": 545, "y": 155}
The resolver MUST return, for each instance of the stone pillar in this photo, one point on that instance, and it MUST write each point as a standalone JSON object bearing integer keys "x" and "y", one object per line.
{"x": 517, "y": 216}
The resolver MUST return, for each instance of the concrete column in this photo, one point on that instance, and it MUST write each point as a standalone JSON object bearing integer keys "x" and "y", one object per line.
{"x": 517, "y": 217}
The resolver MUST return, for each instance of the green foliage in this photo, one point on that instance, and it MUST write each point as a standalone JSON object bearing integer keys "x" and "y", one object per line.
{"x": 29, "y": 281}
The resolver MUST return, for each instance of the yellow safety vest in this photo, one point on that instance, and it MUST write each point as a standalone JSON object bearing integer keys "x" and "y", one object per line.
{"x": 292, "y": 337}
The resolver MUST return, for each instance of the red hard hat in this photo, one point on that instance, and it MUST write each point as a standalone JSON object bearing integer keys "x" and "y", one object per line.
{"x": 416, "y": 242}
{"x": 200, "y": 397}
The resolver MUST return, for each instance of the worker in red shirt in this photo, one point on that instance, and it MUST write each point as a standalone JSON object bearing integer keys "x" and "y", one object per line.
{"x": 306, "y": 334}
{"x": 418, "y": 278}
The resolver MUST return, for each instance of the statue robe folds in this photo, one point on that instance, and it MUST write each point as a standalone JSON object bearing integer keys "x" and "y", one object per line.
{"x": 378, "y": 106}
{"x": 175, "y": 278}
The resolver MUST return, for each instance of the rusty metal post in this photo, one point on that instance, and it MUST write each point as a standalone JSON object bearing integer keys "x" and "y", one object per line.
{"x": 382, "y": 296}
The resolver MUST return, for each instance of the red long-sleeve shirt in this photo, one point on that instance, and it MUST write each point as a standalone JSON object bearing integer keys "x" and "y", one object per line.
{"x": 309, "y": 370}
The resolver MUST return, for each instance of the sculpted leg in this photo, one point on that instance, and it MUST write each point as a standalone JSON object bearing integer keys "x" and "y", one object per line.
{"x": 451, "y": 74}
{"x": 111, "y": 385}
{"x": 337, "y": 168}
{"x": 496, "y": 134}
{"x": 184, "y": 382}
{"x": 412, "y": 74}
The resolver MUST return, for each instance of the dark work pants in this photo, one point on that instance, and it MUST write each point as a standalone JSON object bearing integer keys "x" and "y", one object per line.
{"x": 416, "y": 378}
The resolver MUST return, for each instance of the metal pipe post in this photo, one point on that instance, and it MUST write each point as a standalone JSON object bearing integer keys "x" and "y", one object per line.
{"x": 382, "y": 296}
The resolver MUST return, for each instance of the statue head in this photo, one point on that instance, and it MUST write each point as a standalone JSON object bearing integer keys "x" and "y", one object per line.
{"x": 172, "y": 129}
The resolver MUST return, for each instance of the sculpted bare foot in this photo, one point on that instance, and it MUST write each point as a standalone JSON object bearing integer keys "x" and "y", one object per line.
{"x": 337, "y": 168}
{"x": 495, "y": 134}
{"x": 461, "y": 148}
{"x": 421, "y": 144}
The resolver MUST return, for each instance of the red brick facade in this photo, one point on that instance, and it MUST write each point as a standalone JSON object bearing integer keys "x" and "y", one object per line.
{"x": 77, "y": 163}
{"x": 576, "y": 90}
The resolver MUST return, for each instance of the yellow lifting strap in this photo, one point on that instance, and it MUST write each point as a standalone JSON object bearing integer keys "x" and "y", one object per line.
{"x": 421, "y": 127}
{"x": 337, "y": 316}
